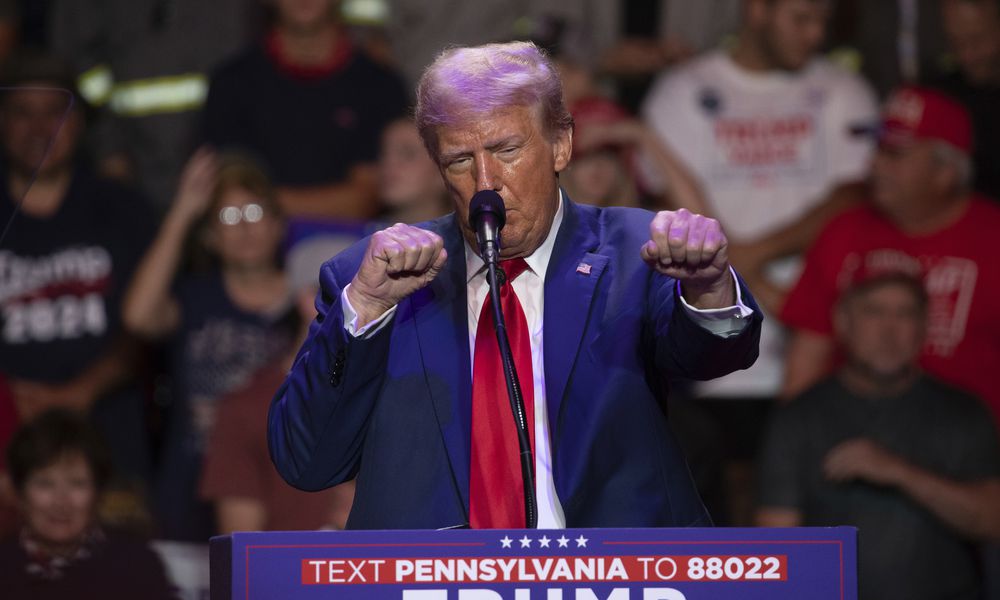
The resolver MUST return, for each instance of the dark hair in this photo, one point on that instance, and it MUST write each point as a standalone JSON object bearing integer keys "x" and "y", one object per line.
{"x": 911, "y": 283}
{"x": 32, "y": 67}
{"x": 241, "y": 171}
{"x": 52, "y": 436}
{"x": 236, "y": 170}
{"x": 995, "y": 4}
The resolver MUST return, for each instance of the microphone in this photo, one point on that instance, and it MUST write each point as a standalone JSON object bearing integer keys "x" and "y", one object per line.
{"x": 487, "y": 216}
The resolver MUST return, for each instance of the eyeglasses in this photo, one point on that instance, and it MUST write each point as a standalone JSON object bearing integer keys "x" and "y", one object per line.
{"x": 232, "y": 215}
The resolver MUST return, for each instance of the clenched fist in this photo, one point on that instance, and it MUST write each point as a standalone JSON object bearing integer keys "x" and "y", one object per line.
{"x": 398, "y": 261}
{"x": 694, "y": 250}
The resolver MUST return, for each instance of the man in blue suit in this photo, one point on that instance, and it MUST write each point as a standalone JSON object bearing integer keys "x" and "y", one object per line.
{"x": 616, "y": 301}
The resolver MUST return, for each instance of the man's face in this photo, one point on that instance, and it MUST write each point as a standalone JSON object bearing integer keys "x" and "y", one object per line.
{"x": 305, "y": 15}
{"x": 882, "y": 329}
{"x": 906, "y": 177}
{"x": 791, "y": 31}
{"x": 511, "y": 153}
{"x": 30, "y": 120}
{"x": 973, "y": 31}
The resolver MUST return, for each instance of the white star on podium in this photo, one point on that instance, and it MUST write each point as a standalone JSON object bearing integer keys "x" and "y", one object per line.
{"x": 525, "y": 542}
{"x": 581, "y": 542}
{"x": 544, "y": 541}
{"x": 563, "y": 542}
{"x": 505, "y": 541}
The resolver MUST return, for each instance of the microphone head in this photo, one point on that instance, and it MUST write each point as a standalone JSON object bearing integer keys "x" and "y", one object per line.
{"x": 487, "y": 202}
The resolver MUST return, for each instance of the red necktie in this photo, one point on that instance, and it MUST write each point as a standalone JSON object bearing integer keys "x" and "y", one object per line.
{"x": 496, "y": 489}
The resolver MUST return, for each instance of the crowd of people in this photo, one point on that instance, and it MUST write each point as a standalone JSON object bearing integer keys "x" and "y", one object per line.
{"x": 174, "y": 174}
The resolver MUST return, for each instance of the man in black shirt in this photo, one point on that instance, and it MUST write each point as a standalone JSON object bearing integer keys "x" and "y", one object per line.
{"x": 65, "y": 260}
{"x": 310, "y": 106}
{"x": 910, "y": 461}
{"x": 973, "y": 30}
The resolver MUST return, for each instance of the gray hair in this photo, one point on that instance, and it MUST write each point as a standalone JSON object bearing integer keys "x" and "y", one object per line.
{"x": 950, "y": 156}
{"x": 464, "y": 84}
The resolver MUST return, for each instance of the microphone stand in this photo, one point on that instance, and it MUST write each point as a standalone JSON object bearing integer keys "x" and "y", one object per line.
{"x": 495, "y": 277}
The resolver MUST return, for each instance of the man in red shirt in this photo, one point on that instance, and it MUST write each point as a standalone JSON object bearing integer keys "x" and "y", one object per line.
{"x": 922, "y": 220}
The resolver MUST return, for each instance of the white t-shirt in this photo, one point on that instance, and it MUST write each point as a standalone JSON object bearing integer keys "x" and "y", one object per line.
{"x": 767, "y": 147}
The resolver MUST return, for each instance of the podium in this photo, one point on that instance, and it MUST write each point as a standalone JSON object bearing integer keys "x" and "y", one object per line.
{"x": 561, "y": 564}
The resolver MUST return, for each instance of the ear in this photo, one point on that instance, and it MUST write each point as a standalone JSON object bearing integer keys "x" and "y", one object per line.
{"x": 562, "y": 149}
{"x": 945, "y": 177}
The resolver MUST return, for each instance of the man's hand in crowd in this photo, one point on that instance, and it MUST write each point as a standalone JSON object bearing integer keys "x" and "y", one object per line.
{"x": 694, "y": 250}
{"x": 32, "y": 398}
{"x": 627, "y": 132}
{"x": 398, "y": 261}
{"x": 863, "y": 459}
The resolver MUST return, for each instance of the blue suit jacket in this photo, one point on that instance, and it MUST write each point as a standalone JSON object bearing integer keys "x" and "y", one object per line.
{"x": 394, "y": 410}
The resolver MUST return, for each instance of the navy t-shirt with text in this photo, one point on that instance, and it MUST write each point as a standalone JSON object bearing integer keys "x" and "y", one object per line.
{"x": 62, "y": 277}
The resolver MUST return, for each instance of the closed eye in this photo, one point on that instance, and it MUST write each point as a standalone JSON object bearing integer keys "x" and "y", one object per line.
{"x": 458, "y": 162}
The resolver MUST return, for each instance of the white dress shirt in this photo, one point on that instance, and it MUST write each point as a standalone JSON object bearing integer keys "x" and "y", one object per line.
{"x": 529, "y": 287}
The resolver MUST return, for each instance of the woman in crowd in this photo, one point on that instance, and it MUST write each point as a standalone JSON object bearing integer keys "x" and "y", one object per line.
{"x": 410, "y": 186}
{"x": 59, "y": 468}
{"x": 222, "y": 324}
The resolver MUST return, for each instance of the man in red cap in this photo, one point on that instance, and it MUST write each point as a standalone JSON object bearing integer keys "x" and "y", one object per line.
{"x": 922, "y": 220}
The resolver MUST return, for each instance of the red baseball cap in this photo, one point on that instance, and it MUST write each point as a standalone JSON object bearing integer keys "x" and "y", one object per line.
{"x": 917, "y": 113}
{"x": 595, "y": 110}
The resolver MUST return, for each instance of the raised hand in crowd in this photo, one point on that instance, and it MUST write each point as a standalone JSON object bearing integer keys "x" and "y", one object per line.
{"x": 638, "y": 56}
{"x": 149, "y": 309}
{"x": 195, "y": 186}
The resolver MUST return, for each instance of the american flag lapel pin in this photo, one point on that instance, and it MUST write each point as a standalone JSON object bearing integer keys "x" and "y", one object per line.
{"x": 583, "y": 268}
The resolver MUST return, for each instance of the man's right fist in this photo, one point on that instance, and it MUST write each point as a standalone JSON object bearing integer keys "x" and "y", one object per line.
{"x": 398, "y": 261}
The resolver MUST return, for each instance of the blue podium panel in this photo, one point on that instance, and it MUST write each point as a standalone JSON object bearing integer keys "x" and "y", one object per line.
{"x": 567, "y": 564}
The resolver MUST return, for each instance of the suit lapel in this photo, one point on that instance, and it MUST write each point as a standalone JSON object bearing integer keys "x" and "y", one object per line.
{"x": 570, "y": 283}
{"x": 440, "y": 319}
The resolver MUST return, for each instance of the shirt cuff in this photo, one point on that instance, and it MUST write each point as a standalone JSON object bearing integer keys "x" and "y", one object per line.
{"x": 723, "y": 322}
{"x": 351, "y": 319}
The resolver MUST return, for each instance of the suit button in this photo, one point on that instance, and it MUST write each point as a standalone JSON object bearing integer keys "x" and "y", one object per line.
{"x": 337, "y": 371}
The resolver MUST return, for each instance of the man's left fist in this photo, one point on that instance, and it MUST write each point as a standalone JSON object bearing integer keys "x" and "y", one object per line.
{"x": 694, "y": 250}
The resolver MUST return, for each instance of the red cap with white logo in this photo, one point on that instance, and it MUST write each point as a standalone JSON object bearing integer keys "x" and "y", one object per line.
{"x": 918, "y": 113}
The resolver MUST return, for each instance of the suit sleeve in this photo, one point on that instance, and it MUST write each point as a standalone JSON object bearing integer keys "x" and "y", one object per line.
{"x": 319, "y": 417}
{"x": 683, "y": 348}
